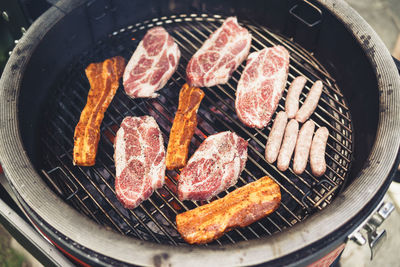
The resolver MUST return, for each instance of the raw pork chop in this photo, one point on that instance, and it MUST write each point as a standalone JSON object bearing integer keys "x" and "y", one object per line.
{"x": 220, "y": 55}
{"x": 214, "y": 167}
{"x": 261, "y": 86}
{"x": 152, "y": 64}
{"x": 139, "y": 160}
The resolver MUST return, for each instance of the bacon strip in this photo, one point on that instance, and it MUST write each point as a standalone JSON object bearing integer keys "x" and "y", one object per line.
{"x": 185, "y": 123}
{"x": 240, "y": 208}
{"x": 104, "y": 81}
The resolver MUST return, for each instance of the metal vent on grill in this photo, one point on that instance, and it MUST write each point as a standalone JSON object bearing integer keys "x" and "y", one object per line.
{"x": 91, "y": 189}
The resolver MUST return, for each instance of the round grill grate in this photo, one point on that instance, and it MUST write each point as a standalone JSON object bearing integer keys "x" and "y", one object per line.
{"x": 91, "y": 189}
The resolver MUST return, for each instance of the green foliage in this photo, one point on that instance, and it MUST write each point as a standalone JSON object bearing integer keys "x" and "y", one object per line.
{"x": 8, "y": 256}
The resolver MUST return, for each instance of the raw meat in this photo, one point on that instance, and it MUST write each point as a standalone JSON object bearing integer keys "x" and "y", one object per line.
{"x": 303, "y": 144}
{"x": 275, "y": 137}
{"x": 220, "y": 55}
{"x": 214, "y": 167}
{"x": 139, "y": 160}
{"x": 311, "y": 102}
{"x": 152, "y": 64}
{"x": 288, "y": 145}
{"x": 261, "y": 86}
{"x": 292, "y": 98}
{"x": 240, "y": 208}
{"x": 317, "y": 151}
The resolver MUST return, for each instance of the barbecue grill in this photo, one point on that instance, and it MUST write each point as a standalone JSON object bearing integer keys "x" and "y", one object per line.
{"x": 44, "y": 90}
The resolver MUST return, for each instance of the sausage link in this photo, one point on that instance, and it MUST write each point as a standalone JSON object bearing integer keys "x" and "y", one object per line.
{"x": 275, "y": 137}
{"x": 288, "y": 144}
{"x": 303, "y": 144}
{"x": 317, "y": 152}
{"x": 292, "y": 98}
{"x": 310, "y": 103}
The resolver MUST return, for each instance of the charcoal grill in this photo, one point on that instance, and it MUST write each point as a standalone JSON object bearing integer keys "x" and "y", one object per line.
{"x": 98, "y": 229}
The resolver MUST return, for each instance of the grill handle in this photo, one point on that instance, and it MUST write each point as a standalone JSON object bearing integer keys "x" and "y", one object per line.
{"x": 304, "y": 24}
{"x": 375, "y": 236}
{"x": 305, "y": 9}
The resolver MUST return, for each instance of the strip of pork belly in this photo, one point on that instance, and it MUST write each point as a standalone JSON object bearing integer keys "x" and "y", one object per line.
{"x": 183, "y": 127}
{"x": 104, "y": 81}
{"x": 239, "y": 208}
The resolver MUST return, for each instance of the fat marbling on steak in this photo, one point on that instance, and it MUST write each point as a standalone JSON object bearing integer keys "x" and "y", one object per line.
{"x": 220, "y": 55}
{"x": 152, "y": 64}
{"x": 139, "y": 160}
{"x": 214, "y": 166}
{"x": 261, "y": 86}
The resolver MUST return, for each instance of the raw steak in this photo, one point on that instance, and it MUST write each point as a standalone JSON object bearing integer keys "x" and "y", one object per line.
{"x": 152, "y": 64}
{"x": 220, "y": 55}
{"x": 214, "y": 167}
{"x": 261, "y": 86}
{"x": 139, "y": 160}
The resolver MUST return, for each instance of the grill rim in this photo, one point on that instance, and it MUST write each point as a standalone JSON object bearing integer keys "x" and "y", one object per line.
{"x": 26, "y": 182}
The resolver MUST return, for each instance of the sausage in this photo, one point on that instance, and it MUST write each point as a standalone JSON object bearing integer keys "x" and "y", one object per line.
{"x": 239, "y": 208}
{"x": 292, "y": 98}
{"x": 303, "y": 144}
{"x": 310, "y": 103}
{"x": 317, "y": 152}
{"x": 275, "y": 137}
{"x": 288, "y": 144}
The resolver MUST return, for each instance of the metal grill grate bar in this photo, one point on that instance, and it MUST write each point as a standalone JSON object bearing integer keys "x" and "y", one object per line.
{"x": 272, "y": 43}
{"x": 181, "y": 72}
{"x": 204, "y": 131}
{"x": 90, "y": 195}
{"x": 166, "y": 135}
{"x": 225, "y": 191}
{"x": 143, "y": 208}
{"x": 81, "y": 205}
{"x": 154, "y": 219}
{"x": 69, "y": 155}
{"x": 300, "y": 73}
{"x": 303, "y": 93}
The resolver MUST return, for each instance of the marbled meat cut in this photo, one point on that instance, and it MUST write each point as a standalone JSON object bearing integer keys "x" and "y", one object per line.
{"x": 152, "y": 64}
{"x": 104, "y": 82}
{"x": 261, "y": 86}
{"x": 240, "y": 208}
{"x": 214, "y": 167}
{"x": 220, "y": 55}
{"x": 139, "y": 160}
